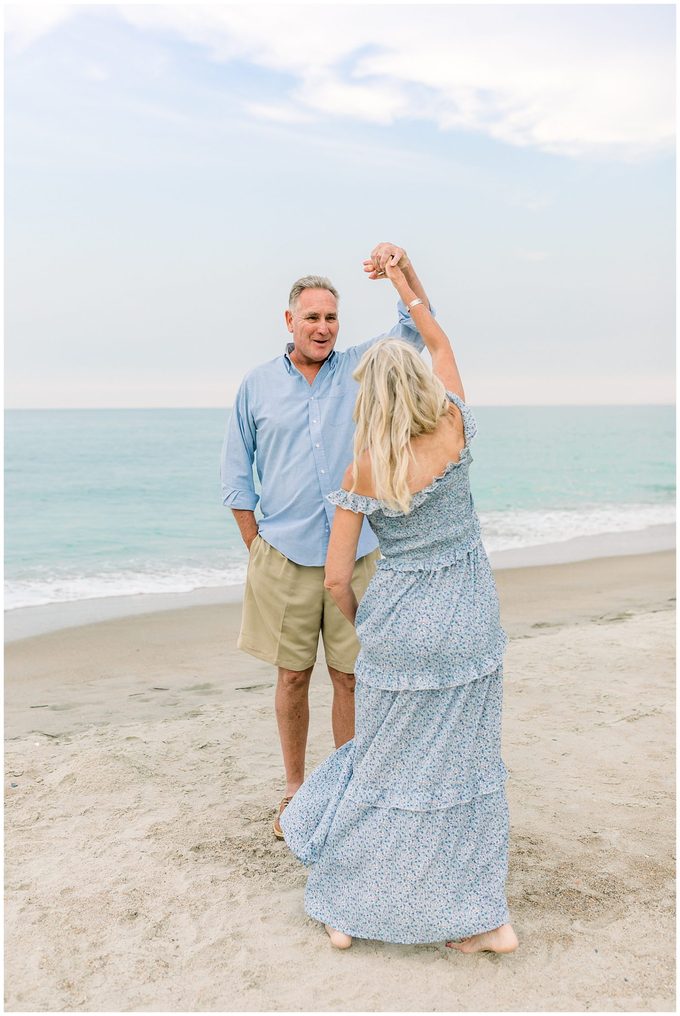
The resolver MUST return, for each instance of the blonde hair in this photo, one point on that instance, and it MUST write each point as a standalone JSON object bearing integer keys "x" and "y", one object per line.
{"x": 399, "y": 398}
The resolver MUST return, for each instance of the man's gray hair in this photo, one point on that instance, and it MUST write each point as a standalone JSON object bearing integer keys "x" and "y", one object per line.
{"x": 310, "y": 282}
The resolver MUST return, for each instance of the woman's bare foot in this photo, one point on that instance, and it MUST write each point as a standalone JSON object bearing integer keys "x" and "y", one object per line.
{"x": 500, "y": 940}
{"x": 338, "y": 938}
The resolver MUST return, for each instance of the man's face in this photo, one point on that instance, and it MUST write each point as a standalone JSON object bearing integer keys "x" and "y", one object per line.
{"x": 314, "y": 324}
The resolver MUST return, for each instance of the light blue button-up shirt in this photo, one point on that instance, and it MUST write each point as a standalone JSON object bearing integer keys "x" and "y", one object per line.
{"x": 300, "y": 437}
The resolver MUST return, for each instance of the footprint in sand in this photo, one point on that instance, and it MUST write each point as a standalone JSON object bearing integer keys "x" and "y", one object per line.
{"x": 206, "y": 689}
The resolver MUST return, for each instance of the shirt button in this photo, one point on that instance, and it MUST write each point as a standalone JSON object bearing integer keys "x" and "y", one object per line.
{"x": 323, "y": 470}
{"x": 315, "y": 421}
{"x": 317, "y": 445}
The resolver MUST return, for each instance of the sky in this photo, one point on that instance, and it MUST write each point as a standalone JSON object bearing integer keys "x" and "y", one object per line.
{"x": 171, "y": 170}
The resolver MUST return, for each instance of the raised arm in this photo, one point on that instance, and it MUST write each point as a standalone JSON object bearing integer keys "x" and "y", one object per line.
{"x": 405, "y": 328}
{"x": 435, "y": 338}
{"x": 387, "y": 252}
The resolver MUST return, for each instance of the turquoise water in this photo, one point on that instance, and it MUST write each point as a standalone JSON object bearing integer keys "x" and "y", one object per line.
{"x": 112, "y": 502}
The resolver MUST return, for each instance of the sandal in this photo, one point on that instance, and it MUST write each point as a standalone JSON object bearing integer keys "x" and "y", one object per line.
{"x": 278, "y": 831}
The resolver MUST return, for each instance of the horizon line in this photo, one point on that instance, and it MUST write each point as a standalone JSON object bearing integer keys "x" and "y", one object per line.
{"x": 487, "y": 405}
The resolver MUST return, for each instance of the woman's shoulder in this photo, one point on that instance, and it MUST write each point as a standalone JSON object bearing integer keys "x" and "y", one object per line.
{"x": 364, "y": 479}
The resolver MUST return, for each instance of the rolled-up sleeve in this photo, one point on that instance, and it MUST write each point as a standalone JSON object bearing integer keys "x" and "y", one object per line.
{"x": 238, "y": 455}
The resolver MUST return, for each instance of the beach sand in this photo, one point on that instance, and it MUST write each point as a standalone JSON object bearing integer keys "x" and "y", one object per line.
{"x": 143, "y": 768}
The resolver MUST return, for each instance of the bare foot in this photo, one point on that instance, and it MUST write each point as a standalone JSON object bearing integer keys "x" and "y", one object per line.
{"x": 500, "y": 940}
{"x": 338, "y": 938}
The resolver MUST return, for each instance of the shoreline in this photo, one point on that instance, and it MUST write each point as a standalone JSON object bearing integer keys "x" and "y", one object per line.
{"x": 26, "y": 622}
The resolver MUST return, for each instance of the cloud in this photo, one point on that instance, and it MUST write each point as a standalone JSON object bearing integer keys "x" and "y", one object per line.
{"x": 25, "y": 23}
{"x": 278, "y": 112}
{"x": 380, "y": 102}
{"x": 571, "y": 81}
{"x": 585, "y": 80}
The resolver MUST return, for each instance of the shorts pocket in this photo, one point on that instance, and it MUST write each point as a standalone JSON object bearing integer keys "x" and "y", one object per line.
{"x": 253, "y": 544}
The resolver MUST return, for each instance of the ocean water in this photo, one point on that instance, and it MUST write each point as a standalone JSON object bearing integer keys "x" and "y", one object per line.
{"x": 115, "y": 502}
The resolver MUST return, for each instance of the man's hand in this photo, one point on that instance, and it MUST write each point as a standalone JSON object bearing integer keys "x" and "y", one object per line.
{"x": 395, "y": 275}
{"x": 245, "y": 520}
{"x": 386, "y": 257}
{"x": 381, "y": 256}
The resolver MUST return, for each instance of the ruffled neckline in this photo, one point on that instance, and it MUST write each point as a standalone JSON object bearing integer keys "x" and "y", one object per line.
{"x": 366, "y": 504}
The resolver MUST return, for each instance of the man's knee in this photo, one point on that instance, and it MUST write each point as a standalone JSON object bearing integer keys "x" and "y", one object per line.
{"x": 341, "y": 680}
{"x": 294, "y": 679}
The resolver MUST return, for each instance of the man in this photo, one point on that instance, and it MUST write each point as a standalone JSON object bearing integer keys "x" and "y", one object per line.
{"x": 293, "y": 418}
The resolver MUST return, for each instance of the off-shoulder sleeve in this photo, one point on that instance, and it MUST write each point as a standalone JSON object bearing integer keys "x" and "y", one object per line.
{"x": 353, "y": 502}
{"x": 469, "y": 422}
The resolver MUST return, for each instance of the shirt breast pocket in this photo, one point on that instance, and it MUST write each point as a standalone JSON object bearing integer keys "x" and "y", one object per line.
{"x": 339, "y": 406}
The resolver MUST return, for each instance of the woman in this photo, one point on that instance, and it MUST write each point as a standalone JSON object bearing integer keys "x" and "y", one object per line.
{"x": 405, "y": 827}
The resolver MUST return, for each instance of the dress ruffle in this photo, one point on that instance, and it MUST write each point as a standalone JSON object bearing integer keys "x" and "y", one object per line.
{"x": 381, "y": 677}
{"x": 428, "y": 750}
{"x": 367, "y": 505}
{"x": 413, "y": 751}
{"x": 358, "y": 503}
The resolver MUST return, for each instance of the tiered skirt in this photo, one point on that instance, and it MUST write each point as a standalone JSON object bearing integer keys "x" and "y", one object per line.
{"x": 405, "y": 827}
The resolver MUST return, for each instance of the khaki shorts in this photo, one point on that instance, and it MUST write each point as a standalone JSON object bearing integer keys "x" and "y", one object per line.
{"x": 285, "y": 607}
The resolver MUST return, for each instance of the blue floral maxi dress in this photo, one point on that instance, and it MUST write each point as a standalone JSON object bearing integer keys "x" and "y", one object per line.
{"x": 405, "y": 827}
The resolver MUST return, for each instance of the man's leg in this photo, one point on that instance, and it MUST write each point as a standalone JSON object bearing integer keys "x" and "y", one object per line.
{"x": 282, "y": 610}
{"x": 292, "y": 715}
{"x": 342, "y": 715}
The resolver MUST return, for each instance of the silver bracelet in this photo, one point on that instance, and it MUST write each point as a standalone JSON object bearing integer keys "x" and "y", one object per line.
{"x": 414, "y": 303}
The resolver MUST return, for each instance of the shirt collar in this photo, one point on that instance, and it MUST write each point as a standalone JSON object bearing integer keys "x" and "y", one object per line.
{"x": 290, "y": 366}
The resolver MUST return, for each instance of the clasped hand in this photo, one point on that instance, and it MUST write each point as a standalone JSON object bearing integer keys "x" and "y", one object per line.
{"x": 384, "y": 257}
